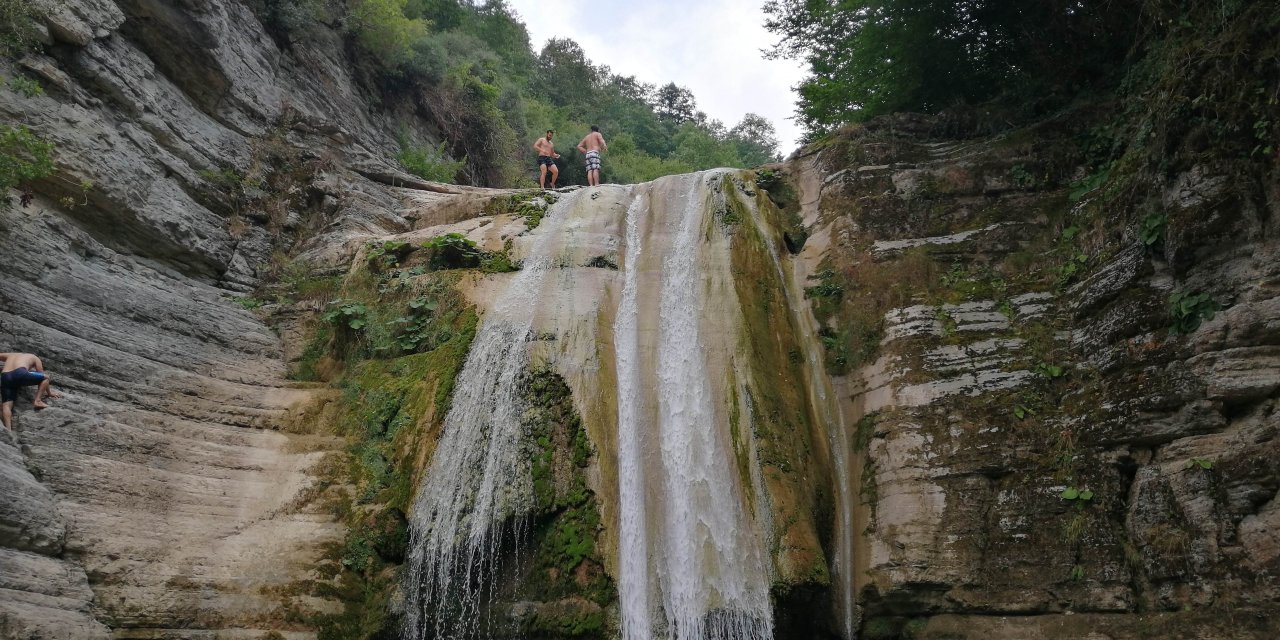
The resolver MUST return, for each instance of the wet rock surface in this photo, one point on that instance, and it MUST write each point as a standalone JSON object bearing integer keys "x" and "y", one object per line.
{"x": 1024, "y": 355}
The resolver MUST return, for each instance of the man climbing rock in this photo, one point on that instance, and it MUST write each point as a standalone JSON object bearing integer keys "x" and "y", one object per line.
{"x": 547, "y": 157}
{"x": 592, "y": 145}
{"x": 22, "y": 370}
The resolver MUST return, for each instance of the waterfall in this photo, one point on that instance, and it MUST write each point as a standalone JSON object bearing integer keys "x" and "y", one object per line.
{"x": 710, "y": 571}
{"x": 694, "y": 519}
{"x": 478, "y": 486}
{"x": 633, "y": 565}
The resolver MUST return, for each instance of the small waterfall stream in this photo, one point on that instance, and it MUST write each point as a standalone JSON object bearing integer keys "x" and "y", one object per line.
{"x": 479, "y": 481}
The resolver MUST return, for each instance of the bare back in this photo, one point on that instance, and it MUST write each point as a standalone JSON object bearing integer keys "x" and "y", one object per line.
{"x": 21, "y": 361}
{"x": 593, "y": 142}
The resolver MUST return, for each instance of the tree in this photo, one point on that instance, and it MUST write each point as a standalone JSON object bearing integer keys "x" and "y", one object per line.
{"x": 869, "y": 57}
{"x": 755, "y": 139}
{"x": 385, "y": 32}
{"x": 675, "y": 104}
{"x": 565, "y": 76}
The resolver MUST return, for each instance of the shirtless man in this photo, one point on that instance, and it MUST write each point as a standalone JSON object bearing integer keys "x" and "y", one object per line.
{"x": 22, "y": 370}
{"x": 592, "y": 145}
{"x": 547, "y": 157}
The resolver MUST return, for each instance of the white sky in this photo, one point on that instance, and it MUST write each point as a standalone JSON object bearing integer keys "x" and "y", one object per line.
{"x": 710, "y": 46}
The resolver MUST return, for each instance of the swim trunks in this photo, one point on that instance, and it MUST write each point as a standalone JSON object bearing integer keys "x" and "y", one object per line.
{"x": 11, "y": 381}
{"x": 547, "y": 160}
{"x": 593, "y": 161}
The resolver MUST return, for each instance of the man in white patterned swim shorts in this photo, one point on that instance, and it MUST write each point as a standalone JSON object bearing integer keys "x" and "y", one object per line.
{"x": 592, "y": 145}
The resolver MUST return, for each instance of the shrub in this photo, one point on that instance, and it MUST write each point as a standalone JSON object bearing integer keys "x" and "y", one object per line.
{"x": 453, "y": 251}
{"x": 385, "y": 32}
{"x": 23, "y": 157}
{"x": 387, "y": 254}
{"x": 430, "y": 164}
{"x": 18, "y": 19}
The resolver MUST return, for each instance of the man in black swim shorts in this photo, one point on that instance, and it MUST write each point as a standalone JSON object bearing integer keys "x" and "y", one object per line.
{"x": 22, "y": 370}
{"x": 547, "y": 157}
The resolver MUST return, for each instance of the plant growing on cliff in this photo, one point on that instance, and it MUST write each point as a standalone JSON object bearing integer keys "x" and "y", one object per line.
{"x": 24, "y": 157}
{"x": 1189, "y": 309}
{"x": 1151, "y": 231}
{"x": 18, "y": 32}
{"x": 388, "y": 254}
{"x": 23, "y": 86}
{"x": 352, "y": 315}
{"x": 430, "y": 164}
{"x": 453, "y": 251}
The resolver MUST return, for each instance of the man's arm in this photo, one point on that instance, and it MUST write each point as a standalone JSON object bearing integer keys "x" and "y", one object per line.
{"x": 604, "y": 145}
{"x": 37, "y": 365}
{"x": 582, "y": 146}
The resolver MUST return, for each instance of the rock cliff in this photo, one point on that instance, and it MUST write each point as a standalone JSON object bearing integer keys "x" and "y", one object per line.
{"x": 1043, "y": 429}
{"x": 1056, "y": 419}
{"x": 161, "y": 494}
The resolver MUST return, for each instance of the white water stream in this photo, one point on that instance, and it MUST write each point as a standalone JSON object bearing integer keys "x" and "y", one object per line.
{"x": 695, "y": 546}
{"x": 479, "y": 485}
{"x": 692, "y": 560}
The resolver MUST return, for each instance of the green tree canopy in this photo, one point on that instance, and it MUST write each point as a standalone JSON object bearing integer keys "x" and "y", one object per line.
{"x": 870, "y": 57}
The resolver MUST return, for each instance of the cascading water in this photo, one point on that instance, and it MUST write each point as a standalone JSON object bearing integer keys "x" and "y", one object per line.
{"x": 694, "y": 517}
{"x": 710, "y": 572}
{"x": 633, "y": 565}
{"x": 478, "y": 486}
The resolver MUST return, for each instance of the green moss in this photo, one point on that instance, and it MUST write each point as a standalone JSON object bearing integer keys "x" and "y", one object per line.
{"x": 391, "y": 403}
{"x": 566, "y": 561}
{"x": 530, "y": 205}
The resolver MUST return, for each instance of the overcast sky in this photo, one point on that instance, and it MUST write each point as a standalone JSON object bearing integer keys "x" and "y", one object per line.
{"x": 710, "y": 46}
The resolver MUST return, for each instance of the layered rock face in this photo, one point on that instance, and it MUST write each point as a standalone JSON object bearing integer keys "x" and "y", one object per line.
{"x": 160, "y": 494}
{"x": 1035, "y": 436}
{"x": 1033, "y": 452}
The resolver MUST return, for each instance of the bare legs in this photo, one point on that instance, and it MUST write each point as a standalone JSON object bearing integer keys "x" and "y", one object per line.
{"x": 542, "y": 176}
{"x": 42, "y": 392}
{"x": 6, "y": 415}
{"x": 593, "y": 177}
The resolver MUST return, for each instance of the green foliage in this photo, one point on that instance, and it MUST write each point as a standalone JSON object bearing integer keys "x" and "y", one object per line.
{"x": 1204, "y": 464}
{"x": 1152, "y": 230}
{"x": 1076, "y": 494}
{"x": 23, "y": 86}
{"x": 18, "y": 33}
{"x": 430, "y": 164}
{"x": 24, "y": 156}
{"x": 498, "y": 262}
{"x": 828, "y": 288}
{"x": 383, "y": 29}
{"x": 868, "y": 58}
{"x": 453, "y": 251}
{"x": 250, "y": 303}
{"x": 348, "y": 314}
{"x": 1090, "y": 183}
{"x": 388, "y": 254}
{"x": 1189, "y": 309}
{"x": 1051, "y": 371}
{"x": 531, "y": 206}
